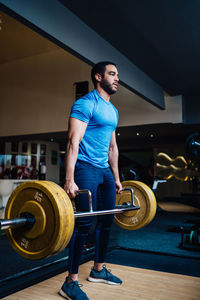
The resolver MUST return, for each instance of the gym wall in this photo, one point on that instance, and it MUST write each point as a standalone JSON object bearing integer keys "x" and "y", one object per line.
{"x": 37, "y": 93}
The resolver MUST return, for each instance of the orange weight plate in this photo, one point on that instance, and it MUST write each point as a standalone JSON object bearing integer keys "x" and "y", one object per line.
{"x": 144, "y": 198}
{"x": 44, "y": 202}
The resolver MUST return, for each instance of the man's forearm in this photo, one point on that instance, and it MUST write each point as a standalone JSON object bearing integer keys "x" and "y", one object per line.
{"x": 113, "y": 161}
{"x": 71, "y": 158}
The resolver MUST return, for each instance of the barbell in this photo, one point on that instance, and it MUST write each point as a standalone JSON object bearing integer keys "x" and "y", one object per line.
{"x": 39, "y": 216}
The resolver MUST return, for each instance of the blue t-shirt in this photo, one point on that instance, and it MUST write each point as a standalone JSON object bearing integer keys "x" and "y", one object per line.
{"x": 102, "y": 119}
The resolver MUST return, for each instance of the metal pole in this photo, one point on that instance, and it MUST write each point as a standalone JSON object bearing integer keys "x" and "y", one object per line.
{"x": 105, "y": 212}
{"x": 25, "y": 219}
{"x": 12, "y": 223}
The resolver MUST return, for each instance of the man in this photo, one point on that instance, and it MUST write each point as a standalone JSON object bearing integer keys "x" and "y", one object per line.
{"x": 92, "y": 163}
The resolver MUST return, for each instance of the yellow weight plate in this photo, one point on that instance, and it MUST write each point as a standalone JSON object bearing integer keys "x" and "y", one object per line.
{"x": 66, "y": 216}
{"x": 59, "y": 200}
{"x": 43, "y": 198}
{"x": 144, "y": 198}
{"x": 67, "y": 221}
{"x": 38, "y": 212}
{"x": 69, "y": 228}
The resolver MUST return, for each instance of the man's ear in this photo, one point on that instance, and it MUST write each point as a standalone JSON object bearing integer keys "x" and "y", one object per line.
{"x": 98, "y": 77}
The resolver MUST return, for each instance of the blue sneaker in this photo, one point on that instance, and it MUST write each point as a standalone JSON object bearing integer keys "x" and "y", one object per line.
{"x": 104, "y": 276}
{"x": 72, "y": 291}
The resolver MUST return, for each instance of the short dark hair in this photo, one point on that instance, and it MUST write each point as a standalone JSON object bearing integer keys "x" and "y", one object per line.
{"x": 100, "y": 69}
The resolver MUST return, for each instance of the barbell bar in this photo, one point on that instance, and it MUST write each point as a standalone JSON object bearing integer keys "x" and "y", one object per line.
{"x": 28, "y": 219}
{"x": 18, "y": 222}
{"x": 39, "y": 216}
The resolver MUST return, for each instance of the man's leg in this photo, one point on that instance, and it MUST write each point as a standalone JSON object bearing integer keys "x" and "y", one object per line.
{"x": 106, "y": 200}
{"x": 85, "y": 178}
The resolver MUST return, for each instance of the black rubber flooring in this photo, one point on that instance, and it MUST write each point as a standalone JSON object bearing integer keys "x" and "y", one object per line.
{"x": 157, "y": 237}
{"x": 153, "y": 261}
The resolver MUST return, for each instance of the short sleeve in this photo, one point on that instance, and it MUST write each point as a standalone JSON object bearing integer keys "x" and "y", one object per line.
{"x": 82, "y": 109}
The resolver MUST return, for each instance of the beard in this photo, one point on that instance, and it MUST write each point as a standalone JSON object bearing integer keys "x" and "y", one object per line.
{"x": 107, "y": 87}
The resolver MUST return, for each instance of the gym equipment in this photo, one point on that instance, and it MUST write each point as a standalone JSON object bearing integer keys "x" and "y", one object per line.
{"x": 167, "y": 167}
{"x": 190, "y": 237}
{"x": 164, "y": 159}
{"x": 50, "y": 219}
{"x": 144, "y": 198}
{"x": 192, "y": 146}
{"x": 167, "y": 172}
{"x": 39, "y": 216}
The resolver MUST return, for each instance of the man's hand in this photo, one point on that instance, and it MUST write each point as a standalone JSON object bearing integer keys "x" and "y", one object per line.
{"x": 71, "y": 188}
{"x": 118, "y": 187}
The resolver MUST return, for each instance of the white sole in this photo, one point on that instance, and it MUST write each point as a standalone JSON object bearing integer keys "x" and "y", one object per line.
{"x": 63, "y": 294}
{"x": 92, "y": 279}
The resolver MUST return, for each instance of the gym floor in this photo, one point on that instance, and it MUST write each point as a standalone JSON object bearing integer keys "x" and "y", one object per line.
{"x": 152, "y": 248}
{"x": 137, "y": 284}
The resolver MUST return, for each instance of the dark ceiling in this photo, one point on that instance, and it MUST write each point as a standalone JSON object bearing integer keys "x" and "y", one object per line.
{"x": 161, "y": 37}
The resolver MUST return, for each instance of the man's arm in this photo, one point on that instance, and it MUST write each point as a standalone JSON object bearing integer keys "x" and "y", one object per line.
{"x": 75, "y": 134}
{"x": 113, "y": 161}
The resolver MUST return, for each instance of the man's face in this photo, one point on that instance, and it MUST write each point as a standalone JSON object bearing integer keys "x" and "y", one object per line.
{"x": 110, "y": 80}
